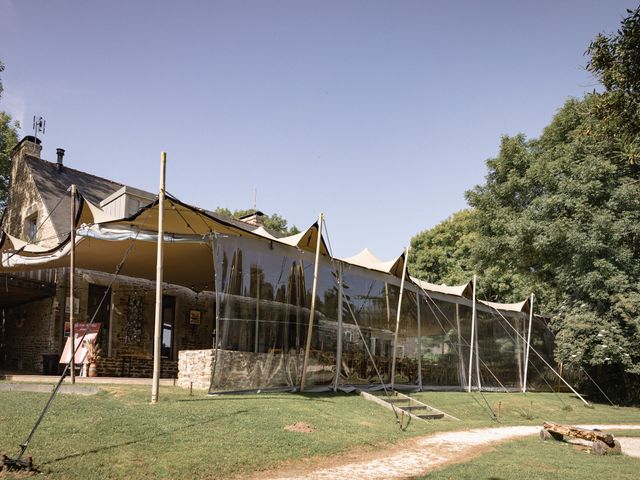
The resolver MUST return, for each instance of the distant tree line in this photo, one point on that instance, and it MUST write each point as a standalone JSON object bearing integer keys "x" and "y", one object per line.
{"x": 273, "y": 222}
{"x": 559, "y": 215}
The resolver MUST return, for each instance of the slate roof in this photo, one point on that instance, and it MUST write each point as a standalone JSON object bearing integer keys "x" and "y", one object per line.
{"x": 53, "y": 186}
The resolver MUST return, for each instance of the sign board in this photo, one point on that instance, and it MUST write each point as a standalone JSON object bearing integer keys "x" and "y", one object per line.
{"x": 90, "y": 334}
{"x": 194, "y": 317}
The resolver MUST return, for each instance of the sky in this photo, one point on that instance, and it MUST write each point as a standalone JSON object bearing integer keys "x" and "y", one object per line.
{"x": 380, "y": 114}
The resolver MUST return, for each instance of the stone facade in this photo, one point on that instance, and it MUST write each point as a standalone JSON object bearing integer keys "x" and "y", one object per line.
{"x": 194, "y": 368}
{"x": 243, "y": 370}
{"x": 25, "y": 199}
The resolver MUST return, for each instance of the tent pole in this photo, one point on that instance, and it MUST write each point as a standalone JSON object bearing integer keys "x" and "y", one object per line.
{"x": 313, "y": 304}
{"x": 419, "y": 342}
{"x": 526, "y": 357}
{"x": 461, "y": 374}
{"x": 477, "y": 340}
{"x": 258, "y": 281}
{"x": 72, "y": 275}
{"x": 473, "y": 334}
{"x": 158, "y": 319}
{"x": 395, "y": 336}
{"x": 339, "y": 342}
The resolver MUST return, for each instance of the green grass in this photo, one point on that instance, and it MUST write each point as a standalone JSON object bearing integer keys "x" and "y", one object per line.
{"x": 118, "y": 434}
{"x": 533, "y": 459}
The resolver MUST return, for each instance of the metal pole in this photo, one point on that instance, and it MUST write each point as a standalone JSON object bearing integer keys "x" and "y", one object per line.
{"x": 419, "y": 342}
{"x": 158, "y": 319}
{"x": 72, "y": 274}
{"x": 473, "y": 334}
{"x": 313, "y": 304}
{"x": 395, "y": 337}
{"x": 477, "y": 336}
{"x": 339, "y": 345}
{"x": 526, "y": 356}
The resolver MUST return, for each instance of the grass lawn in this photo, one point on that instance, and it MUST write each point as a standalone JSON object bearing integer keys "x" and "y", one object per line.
{"x": 118, "y": 434}
{"x": 533, "y": 459}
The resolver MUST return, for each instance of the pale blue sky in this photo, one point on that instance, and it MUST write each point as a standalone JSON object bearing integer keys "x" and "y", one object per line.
{"x": 378, "y": 113}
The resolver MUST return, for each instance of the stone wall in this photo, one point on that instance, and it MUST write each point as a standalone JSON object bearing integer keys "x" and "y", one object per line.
{"x": 36, "y": 328}
{"x": 194, "y": 368}
{"x": 248, "y": 370}
{"x": 31, "y": 331}
{"x": 26, "y": 200}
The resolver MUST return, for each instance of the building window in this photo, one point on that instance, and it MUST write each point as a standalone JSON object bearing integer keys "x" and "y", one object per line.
{"x": 31, "y": 227}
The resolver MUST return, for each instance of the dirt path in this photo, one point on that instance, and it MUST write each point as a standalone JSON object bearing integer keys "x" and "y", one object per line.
{"x": 413, "y": 457}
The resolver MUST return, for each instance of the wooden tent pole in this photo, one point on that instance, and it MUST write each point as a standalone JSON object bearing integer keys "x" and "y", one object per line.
{"x": 473, "y": 335}
{"x": 307, "y": 350}
{"x": 158, "y": 318}
{"x": 340, "y": 331}
{"x": 526, "y": 357}
{"x": 72, "y": 274}
{"x": 395, "y": 336}
{"x": 419, "y": 341}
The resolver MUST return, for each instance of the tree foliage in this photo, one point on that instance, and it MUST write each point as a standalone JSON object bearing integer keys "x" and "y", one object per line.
{"x": 560, "y": 216}
{"x": 8, "y": 140}
{"x": 273, "y": 222}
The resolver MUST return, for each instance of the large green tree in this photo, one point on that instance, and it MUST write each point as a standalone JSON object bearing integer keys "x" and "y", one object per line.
{"x": 8, "y": 140}
{"x": 560, "y": 215}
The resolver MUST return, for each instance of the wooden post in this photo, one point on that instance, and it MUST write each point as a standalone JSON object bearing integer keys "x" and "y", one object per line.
{"x": 419, "y": 342}
{"x": 473, "y": 334}
{"x": 340, "y": 327}
{"x": 307, "y": 350}
{"x": 158, "y": 318}
{"x": 72, "y": 274}
{"x": 475, "y": 314}
{"x": 395, "y": 337}
{"x": 257, "y": 324}
{"x": 526, "y": 357}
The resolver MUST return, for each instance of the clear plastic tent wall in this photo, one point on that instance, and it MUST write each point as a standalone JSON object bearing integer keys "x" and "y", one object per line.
{"x": 263, "y": 309}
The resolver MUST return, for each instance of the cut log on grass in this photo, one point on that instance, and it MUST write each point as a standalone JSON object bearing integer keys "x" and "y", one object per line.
{"x": 556, "y": 429}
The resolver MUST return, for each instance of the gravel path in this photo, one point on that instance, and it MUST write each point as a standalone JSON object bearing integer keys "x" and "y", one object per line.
{"x": 422, "y": 454}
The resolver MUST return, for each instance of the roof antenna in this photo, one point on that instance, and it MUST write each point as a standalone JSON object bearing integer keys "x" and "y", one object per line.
{"x": 255, "y": 199}
{"x": 39, "y": 125}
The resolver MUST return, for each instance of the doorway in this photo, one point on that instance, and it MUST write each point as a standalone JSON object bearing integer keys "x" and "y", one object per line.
{"x": 103, "y": 317}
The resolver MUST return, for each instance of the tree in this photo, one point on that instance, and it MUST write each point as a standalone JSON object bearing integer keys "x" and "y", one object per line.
{"x": 560, "y": 216}
{"x": 273, "y": 222}
{"x": 8, "y": 140}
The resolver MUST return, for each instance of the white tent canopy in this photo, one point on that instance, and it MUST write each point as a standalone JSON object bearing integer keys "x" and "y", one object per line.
{"x": 102, "y": 242}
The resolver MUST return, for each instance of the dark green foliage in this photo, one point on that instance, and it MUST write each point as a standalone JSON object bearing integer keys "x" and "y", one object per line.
{"x": 272, "y": 222}
{"x": 560, "y": 216}
{"x": 8, "y": 140}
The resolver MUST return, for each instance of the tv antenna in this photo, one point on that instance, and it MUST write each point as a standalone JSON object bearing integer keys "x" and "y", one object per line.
{"x": 39, "y": 125}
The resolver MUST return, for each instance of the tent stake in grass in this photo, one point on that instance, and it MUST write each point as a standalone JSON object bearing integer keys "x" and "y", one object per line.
{"x": 158, "y": 319}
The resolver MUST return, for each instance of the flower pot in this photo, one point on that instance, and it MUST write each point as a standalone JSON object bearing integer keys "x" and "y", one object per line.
{"x": 93, "y": 370}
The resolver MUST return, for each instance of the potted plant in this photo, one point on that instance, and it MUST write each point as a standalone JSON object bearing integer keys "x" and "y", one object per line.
{"x": 92, "y": 358}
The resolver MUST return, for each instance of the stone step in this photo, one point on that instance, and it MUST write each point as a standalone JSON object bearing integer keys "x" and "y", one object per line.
{"x": 430, "y": 416}
{"x": 413, "y": 408}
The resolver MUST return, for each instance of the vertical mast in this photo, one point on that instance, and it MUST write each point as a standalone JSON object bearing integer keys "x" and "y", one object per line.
{"x": 158, "y": 318}
{"x": 72, "y": 274}
{"x": 313, "y": 304}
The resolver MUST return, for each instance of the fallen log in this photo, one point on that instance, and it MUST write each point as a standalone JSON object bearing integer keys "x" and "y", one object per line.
{"x": 556, "y": 429}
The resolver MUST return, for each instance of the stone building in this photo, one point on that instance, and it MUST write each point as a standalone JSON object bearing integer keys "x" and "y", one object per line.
{"x": 35, "y": 305}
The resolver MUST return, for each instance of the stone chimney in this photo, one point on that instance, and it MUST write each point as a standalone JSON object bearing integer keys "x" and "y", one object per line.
{"x": 29, "y": 146}
{"x": 254, "y": 218}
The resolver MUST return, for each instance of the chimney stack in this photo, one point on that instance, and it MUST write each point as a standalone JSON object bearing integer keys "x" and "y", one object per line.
{"x": 29, "y": 146}
{"x": 59, "y": 163}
